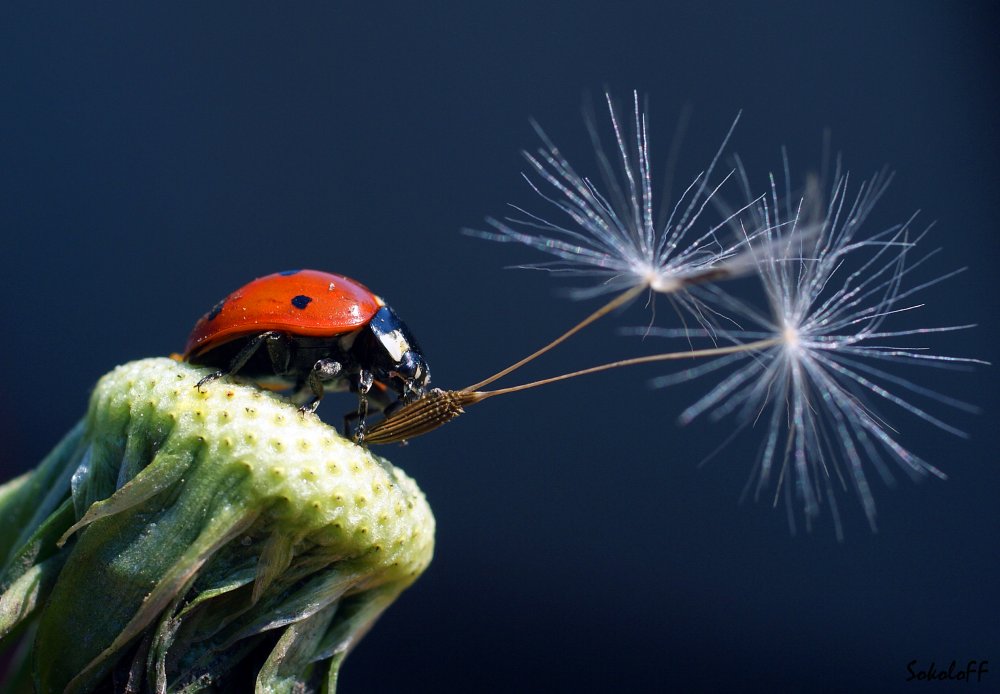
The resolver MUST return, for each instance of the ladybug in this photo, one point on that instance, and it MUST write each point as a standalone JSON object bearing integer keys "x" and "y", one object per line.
{"x": 312, "y": 331}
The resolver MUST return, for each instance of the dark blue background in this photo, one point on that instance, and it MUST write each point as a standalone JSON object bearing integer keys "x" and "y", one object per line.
{"x": 153, "y": 158}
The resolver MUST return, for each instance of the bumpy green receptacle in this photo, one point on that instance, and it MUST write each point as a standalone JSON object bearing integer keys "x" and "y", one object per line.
{"x": 215, "y": 540}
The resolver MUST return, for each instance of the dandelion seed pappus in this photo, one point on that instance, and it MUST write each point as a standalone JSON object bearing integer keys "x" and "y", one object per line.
{"x": 613, "y": 236}
{"x": 820, "y": 388}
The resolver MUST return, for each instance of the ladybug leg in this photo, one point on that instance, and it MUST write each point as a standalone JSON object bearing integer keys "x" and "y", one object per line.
{"x": 322, "y": 371}
{"x": 356, "y": 435}
{"x": 277, "y": 351}
{"x": 378, "y": 397}
{"x": 275, "y": 348}
{"x": 362, "y": 385}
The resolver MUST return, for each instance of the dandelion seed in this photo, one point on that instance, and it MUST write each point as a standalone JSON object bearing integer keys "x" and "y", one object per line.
{"x": 611, "y": 236}
{"x": 824, "y": 389}
{"x": 614, "y": 238}
{"x": 817, "y": 368}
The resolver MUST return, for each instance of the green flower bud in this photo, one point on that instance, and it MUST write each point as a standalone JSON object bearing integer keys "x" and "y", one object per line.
{"x": 183, "y": 540}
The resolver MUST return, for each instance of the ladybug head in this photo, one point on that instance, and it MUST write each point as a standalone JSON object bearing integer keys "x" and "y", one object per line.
{"x": 393, "y": 355}
{"x": 413, "y": 371}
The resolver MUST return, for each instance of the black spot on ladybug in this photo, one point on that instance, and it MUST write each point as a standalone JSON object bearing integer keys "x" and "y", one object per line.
{"x": 301, "y": 301}
{"x": 216, "y": 310}
{"x": 288, "y": 273}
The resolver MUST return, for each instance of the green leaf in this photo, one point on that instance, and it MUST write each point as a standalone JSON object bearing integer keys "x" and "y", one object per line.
{"x": 289, "y": 667}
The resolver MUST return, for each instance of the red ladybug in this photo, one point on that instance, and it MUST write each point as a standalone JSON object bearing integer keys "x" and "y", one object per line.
{"x": 312, "y": 331}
